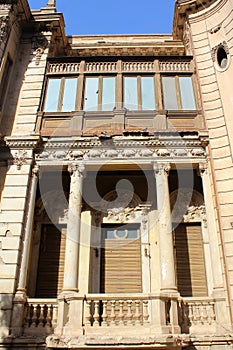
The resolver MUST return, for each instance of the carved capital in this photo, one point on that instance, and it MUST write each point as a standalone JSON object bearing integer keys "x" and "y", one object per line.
{"x": 4, "y": 27}
{"x": 202, "y": 169}
{"x": 161, "y": 169}
{"x": 35, "y": 171}
{"x": 77, "y": 170}
{"x": 20, "y": 158}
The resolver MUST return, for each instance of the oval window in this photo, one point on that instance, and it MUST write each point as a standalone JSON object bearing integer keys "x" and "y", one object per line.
{"x": 222, "y": 57}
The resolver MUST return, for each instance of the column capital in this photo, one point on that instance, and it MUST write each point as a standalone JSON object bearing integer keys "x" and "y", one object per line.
{"x": 202, "y": 168}
{"x": 77, "y": 169}
{"x": 161, "y": 168}
{"x": 35, "y": 170}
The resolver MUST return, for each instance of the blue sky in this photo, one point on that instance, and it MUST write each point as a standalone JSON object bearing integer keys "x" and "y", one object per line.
{"x": 114, "y": 17}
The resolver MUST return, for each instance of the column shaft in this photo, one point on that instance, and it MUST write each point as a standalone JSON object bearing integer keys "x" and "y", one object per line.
{"x": 168, "y": 280}
{"x": 73, "y": 229}
{"x": 28, "y": 233}
{"x": 212, "y": 228}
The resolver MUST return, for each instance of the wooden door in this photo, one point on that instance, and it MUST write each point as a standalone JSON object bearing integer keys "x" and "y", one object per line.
{"x": 121, "y": 270}
{"x": 190, "y": 262}
{"x": 51, "y": 262}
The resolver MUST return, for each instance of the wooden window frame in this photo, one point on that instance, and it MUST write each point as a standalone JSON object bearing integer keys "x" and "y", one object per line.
{"x": 139, "y": 90}
{"x": 178, "y": 91}
{"x": 100, "y": 90}
{"x": 61, "y": 92}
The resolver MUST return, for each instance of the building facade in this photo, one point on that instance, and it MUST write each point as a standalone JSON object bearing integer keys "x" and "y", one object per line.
{"x": 116, "y": 183}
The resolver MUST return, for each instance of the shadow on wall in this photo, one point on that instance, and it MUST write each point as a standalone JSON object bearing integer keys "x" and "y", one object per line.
{"x": 17, "y": 77}
{"x": 5, "y": 315}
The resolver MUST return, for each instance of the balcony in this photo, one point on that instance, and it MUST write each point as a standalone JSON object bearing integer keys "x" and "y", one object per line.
{"x": 98, "y": 314}
{"x": 115, "y": 122}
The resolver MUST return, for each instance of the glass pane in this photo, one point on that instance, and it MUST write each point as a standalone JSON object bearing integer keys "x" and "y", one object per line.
{"x": 91, "y": 94}
{"x": 69, "y": 97}
{"x": 169, "y": 93}
{"x": 110, "y": 234}
{"x": 121, "y": 233}
{"x": 52, "y": 95}
{"x": 130, "y": 93}
{"x": 108, "y": 95}
{"x": 148, "y": 96}
{"x": 186, "y": 91}
{"x": 132, "y": 233}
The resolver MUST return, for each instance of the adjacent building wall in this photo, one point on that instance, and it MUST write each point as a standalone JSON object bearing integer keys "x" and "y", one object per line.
{"x": 210, "y": 28}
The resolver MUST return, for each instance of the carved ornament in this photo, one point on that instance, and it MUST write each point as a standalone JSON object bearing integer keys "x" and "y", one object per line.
{"x": 39, "y": 46}
{"x": 196, "y": 214}
{"x": 4, "y": 27}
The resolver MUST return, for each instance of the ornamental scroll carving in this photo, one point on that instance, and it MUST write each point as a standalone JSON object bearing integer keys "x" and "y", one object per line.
{"x": 39, "y": 46}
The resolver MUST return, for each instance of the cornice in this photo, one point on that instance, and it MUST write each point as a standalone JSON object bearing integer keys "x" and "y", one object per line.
{"x": 170, "y": 146}
{"x": 19, "y": 142}
{"x": 183, "y": 9}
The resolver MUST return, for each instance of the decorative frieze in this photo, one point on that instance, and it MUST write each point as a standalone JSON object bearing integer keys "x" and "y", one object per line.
{"x": 94, "y": 149}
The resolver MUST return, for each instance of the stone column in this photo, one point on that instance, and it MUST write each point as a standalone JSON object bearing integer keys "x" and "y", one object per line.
{"x": 20, "y": 297}
{"x": 167, "y": 265}
{"x": 212, "y": 229}
{"x": 70, "y": 302}
{"x": 73, "y": 228}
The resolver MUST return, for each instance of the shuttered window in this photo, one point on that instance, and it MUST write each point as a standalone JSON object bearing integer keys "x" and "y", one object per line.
{"x": 51, "y": 262}
{"x": 190, "y": 264}
{"x": 121, "y": 261}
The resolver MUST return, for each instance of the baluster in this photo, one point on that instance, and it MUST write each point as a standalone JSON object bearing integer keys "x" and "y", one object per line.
{"x": 34, "y": 315}
{"x": 213, "y": 316}
{"x": 137, "y": 312}
{"x": 198, "y": 312}
{"x": 54, "y": 310}
{"x": 113, "y": 315}
{"x": 48, "y": 315}
{"x": 41, "y": 309}
{"x": 121, "y": 314}
{"x": 145, "y": 312}
{"x": 88, "y": 316}
{"x": 129, "y": 314}
{"x": 104, "y": 314}
{"x": 96, "y": 313}
{"x": 205, "y": 313}
{"x": 191, "y": 315}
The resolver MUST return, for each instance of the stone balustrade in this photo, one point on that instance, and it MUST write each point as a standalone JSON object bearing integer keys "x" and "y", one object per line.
{"x": 123, "y": 311}
{"x": 196, "y": 312}
{"x": 120, "y": 66}
{"x": 107, "y": 310}
{"x": 40, "y": 315}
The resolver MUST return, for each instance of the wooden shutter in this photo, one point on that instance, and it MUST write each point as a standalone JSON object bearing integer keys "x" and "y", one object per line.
{"x": 51, "y": 262}
{"x": 190, "y": 264}
{"x": 121, "y": 266}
